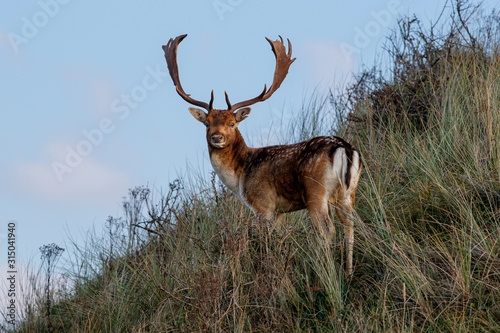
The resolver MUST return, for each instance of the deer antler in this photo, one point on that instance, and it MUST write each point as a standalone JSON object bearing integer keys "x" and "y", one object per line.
{"x": 171, "y": 57}
{"x": 283, "y": 62}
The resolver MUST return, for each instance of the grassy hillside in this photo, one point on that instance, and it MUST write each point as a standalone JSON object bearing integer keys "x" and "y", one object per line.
{"x": 427, "y": 246}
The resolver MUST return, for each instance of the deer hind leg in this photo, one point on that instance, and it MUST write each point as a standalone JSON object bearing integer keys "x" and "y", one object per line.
{"x": 321, "y": 220}
{"x": 318, "y": 210}
{"x": 344, "y": 212}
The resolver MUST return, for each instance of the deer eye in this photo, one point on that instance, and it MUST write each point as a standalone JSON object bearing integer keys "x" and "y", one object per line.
{"x": 232, "y": 125}
{"x": 207, "y": 125}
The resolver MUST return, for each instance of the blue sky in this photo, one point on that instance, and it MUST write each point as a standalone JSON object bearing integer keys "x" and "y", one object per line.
{"x": 88, "y": 111}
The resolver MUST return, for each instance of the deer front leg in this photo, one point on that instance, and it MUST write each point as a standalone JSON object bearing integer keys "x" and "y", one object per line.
{"x": 265, "y": 210}
{"x": 277, "y": 221}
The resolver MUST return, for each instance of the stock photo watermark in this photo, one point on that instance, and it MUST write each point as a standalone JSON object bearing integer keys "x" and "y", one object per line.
{"x": 121, "y": 107}
{"x": 11, "y": 279}
{"x": 31, "y": 25}
{"x": 381, "y": 19}
{"x": 223, "y": 6}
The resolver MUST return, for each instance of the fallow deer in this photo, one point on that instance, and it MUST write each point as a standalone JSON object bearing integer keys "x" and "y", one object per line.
{"x": 278, "y": 179}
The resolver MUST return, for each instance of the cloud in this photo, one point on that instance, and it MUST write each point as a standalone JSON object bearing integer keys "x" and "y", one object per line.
{"x": 96, "y": 89}
{"x": 6, "y": 48}
{"x": 102, "y": 94}
{"x": 328, "y": 62}
{"x": 91, "y": 180}
{"x": 5, "y": 41}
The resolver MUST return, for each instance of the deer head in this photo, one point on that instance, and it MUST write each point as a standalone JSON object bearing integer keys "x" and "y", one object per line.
{"x": 222, "y": 124}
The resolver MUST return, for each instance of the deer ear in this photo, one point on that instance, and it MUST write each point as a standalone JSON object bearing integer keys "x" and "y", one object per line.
{"x": 199, "y": 114}
{"x": 242, "y": 114}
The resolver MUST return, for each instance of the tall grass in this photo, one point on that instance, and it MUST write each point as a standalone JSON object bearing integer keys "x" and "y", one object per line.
{"x": 427, "y": 248}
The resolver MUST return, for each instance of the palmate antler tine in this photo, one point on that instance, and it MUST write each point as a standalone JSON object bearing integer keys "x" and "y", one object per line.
{"x": 211, "y": 104}
{"x": 227, "y": 101}
{"x": 283, "y": 62}
{"x": 171, "y": 56}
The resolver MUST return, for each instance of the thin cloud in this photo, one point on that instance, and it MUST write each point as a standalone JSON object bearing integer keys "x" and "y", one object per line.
{"x": 90, "y": 181}
{"x": 328, "y": 62}
{"x": 98, "y": 88}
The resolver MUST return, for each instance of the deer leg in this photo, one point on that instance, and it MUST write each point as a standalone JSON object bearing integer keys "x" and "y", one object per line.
{"x": 316, "y": 201}
{"x": 320, "y": 218}
{"x": 265, "y": 212}
{"x": 344, "y": 212}
{"x": 278, "y": 220}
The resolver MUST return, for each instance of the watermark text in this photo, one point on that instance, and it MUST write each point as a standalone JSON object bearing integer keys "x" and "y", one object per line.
{"x": 363, "y": 36}
{"x": 31, "y": 25}
{"x": 11, "y": 272}
{"x": 223, "y": 6}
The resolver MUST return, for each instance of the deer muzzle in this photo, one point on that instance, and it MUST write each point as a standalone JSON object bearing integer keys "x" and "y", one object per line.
{"x": 218, "y": 140}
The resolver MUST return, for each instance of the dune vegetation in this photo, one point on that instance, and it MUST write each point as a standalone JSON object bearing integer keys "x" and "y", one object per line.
{"x": 427, "y": 226}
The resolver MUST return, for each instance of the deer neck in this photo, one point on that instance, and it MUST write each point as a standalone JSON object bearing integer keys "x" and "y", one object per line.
{"x": 229, "y": 162}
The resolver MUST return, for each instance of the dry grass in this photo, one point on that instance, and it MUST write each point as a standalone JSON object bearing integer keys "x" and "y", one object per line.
{"x": 427, "y": 249}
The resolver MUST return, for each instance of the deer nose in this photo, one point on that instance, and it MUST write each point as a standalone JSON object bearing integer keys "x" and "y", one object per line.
{"x": 217, "y": 138}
